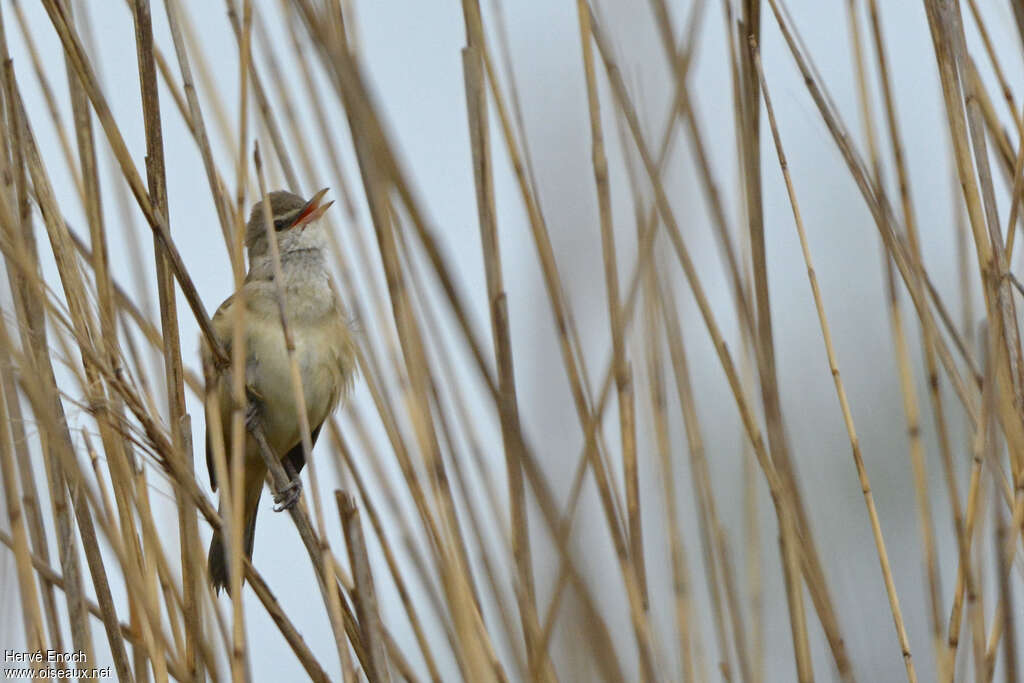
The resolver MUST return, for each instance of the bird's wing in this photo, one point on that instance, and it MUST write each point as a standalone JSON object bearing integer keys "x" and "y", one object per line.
{"x": 209, "y": 460}
{"x": 221, "y": 323}
{"x": 295, "y": 457}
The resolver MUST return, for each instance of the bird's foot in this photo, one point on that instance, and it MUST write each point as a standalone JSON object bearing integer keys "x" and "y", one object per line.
{"x": 286, "y": 498}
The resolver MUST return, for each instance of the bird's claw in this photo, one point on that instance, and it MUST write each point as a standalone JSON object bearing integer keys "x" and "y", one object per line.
{"x": 286, "y": 498}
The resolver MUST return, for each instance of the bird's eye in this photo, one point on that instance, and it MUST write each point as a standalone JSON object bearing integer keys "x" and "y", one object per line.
{"x": 280, "y": 224}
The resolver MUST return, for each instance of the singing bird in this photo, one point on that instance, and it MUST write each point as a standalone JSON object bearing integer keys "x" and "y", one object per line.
{"x": 324, "y": 350}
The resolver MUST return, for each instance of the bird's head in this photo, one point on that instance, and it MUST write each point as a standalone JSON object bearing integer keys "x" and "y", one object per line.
{"x": 296, "y": 223}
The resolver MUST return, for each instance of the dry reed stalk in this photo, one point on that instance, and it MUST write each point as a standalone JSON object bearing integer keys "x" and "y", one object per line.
{"x": 725, "y": 358}
{"x": 1008, "y": 620}
{"x": 85, "y": 330}
{"x": 243, "y": 36}
{"x": 544, "y": 250}
{"x": 453, "y": 567}
{"x": 31, "y": 613}
{"x": 365, "y": 597}
{"x": 280, "y": 618}
{"x": 180, "y": 421}
{"x": 113, "y": 135}
{"x": 198, "y": 127}
{"x": 748, "y": 112}
{"x": 997, "y": 69}
{"x": 751, "y": 520}
{"x": 294, "y": 638}
{"x": 709, "y": 526}
{"x": 445, "y": 422}
{"x": 282, "y": 94}
{"x": 910, "y": 398}
{"x": 456, "y": 580}
{"x": 134, "y": 580}
{"x": 1014, "y": 213}
{"x": 51, "y": 101}
{"x": 282, "y": 90}
{"x": 477, "y": 655}
{"x": 883, "y": 555}
{"x": 910, "y": 403}
{"x": 569, "y": 338}
{"x": 522, "y": 163}
{"x": 213, "y": 95}
{"x": 362, "y": 259}
{"x": 1002, "y": 294}
{"x": 948, "y": 38}
{"x": 984, "y": 448}
{"x": 233, "y": 469}
{"x": 947, "y": 33}
{"x": 623, "y": 372}
{"x": 568, "y": 345}
{"x": 476, "y": 107}
{"x": 489, "y": 562}
{"x": 315, "y": 99}
{"x": 687, "y": 631}
{"x": 442, "y": 271}
{"x": 412, "y": 342}
{"x": 33, "y": 332}
{"x": 881, "y": 215}
{"x": 690, "y": 642}
{"x": 133, "y": 402}
{"x": 702, "y": 487}
{"x": 208, "y": 513}
{"x": 49, "y": 410}
{"x": 26, "y": 308}
{"x": 751, "y": 528}
{"x": 45, "y": 573}
{"x": 569, "y": 342}
{"x": 712, "y": 536}
{"x": 389, "y": 555}
{"x": 389, "y": 420}
{"x": 15, "y": 186}
{"x": 76, "y": 54}
{"x": 29, "y": 497}
{"x": 475, "y": 649}
{"x": 326, "y": 557}
{"x": 679, "y": 63}
{"x": 1005, "y": 550}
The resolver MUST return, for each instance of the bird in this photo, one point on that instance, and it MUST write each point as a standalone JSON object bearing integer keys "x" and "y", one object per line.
{"x": 323, "y": 345}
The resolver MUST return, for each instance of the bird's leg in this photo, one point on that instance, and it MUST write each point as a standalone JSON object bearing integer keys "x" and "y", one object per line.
{"x": 287, "y": 497}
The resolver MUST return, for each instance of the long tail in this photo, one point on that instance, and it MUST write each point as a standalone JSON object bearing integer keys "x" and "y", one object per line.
{"x": 217, "y": 558}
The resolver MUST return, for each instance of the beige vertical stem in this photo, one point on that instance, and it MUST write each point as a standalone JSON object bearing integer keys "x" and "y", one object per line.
{"x": 623, "y": 373}
{"x": 476, "y": 106}
{"x": 365, "y": 597}
{"x": 191, "y": 571}
{"x": 858, "y": 460}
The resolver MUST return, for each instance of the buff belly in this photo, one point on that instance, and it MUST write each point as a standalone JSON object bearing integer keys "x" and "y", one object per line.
{"x": 270, "y": 374}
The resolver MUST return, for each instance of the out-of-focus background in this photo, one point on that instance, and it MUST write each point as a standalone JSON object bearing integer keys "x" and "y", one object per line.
{"x": 411, "y": 55}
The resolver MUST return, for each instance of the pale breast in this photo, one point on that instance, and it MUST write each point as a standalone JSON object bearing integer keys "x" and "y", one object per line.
{"x": 323, "y": 348}
{"x": 316, "y": 354}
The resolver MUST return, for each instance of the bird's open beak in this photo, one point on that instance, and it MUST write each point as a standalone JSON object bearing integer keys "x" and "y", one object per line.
{"x": 312, "y": 210}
